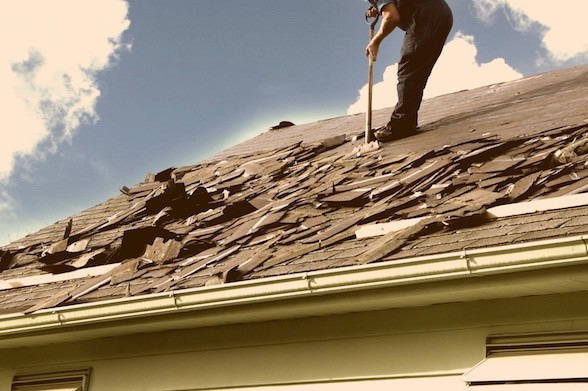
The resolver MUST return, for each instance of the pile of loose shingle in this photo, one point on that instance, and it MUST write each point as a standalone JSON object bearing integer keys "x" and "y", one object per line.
{"x": 219, "y": 222}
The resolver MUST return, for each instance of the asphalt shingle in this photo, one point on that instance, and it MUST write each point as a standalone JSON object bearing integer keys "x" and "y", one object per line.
{"x": 291, "y": 202}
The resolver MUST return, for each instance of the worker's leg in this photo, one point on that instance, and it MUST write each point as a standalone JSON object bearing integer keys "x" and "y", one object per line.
{"x": 422, "y": 46}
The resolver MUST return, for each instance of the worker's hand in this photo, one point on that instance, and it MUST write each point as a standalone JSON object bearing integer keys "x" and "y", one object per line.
{"x": 372, "y": 12}
{"x": 372, "y": 50}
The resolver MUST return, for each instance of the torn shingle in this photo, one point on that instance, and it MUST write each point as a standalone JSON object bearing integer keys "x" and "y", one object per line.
{"x": 162, "y": 251}
{"x": 394, "y": 240}
{"x": 572, "y": 151}
{"x": 136, "y": 241}
{"x": 6, "y": 259}
{"x": 522, "y": 186}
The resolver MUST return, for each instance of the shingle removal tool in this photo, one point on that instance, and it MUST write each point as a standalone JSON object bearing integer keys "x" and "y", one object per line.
{"x": 370, "y": 143}
{"x": 369, "y": 136}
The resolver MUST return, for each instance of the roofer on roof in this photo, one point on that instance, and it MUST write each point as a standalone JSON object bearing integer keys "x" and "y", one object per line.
{"x": 427, "y": 24}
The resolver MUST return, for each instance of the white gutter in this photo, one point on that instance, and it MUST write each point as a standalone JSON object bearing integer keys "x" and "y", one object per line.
{"x": 503, "y": 260}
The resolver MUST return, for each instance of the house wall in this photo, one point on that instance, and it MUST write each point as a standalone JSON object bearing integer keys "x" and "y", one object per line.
{"x": 411, "y": 347}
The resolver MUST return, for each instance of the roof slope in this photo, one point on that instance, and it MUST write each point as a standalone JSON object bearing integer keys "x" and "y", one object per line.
{"x": 301, "y": 199}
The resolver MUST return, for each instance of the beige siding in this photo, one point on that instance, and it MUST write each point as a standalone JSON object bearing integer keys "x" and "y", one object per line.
{"x": 395, "y": 344}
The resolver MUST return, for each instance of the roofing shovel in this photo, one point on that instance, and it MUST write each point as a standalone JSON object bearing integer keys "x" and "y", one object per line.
{"x": 369, "y": 136}
{"x": 370, "y": 143}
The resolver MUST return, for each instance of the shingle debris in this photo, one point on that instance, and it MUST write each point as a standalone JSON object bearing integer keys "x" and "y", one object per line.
{"x": 285, "y": 211}
{"x": 282, "y": 124}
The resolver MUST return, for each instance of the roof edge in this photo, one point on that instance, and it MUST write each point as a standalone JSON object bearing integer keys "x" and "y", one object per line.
{"x": 225, "y": 299}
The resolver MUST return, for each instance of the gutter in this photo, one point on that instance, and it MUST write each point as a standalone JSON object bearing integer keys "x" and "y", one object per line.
{"x": 232, "y": 302}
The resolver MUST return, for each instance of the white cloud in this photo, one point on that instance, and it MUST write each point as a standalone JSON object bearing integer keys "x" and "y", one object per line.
{"x": 565, "y": 31}
{"x": 6, "y": 204}
{"x": 456, "y": 70}
{"x": 48, "y": 70}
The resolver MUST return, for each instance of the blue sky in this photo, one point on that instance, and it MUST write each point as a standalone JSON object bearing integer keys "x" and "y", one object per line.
{"x": 98, "y": 93}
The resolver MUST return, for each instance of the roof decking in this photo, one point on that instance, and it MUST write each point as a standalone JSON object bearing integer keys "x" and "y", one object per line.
{"x": 293, "y": 200}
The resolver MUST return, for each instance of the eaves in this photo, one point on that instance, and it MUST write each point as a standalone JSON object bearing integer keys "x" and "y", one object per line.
{"x": 536, "y": 268}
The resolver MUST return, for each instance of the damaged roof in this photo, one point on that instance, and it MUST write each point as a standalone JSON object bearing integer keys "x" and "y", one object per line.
{"x": 498, "y": 165}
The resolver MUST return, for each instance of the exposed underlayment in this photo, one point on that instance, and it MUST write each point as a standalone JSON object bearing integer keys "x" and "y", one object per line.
{"x": 302, "y": 198}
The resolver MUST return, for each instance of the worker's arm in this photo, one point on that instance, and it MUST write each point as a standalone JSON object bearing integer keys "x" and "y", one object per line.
{"x": 390, "y": 20}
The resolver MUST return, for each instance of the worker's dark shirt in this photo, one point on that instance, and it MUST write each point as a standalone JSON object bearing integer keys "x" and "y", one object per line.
{"x": 405, "y": 8}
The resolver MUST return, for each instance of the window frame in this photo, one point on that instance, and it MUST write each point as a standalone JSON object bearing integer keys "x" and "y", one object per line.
{"x": 80, "y": 379}
{"x": 529, "y": 348}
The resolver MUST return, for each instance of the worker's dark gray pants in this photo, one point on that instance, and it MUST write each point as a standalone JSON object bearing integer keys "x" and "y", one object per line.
{"x": 423, "y": 43}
